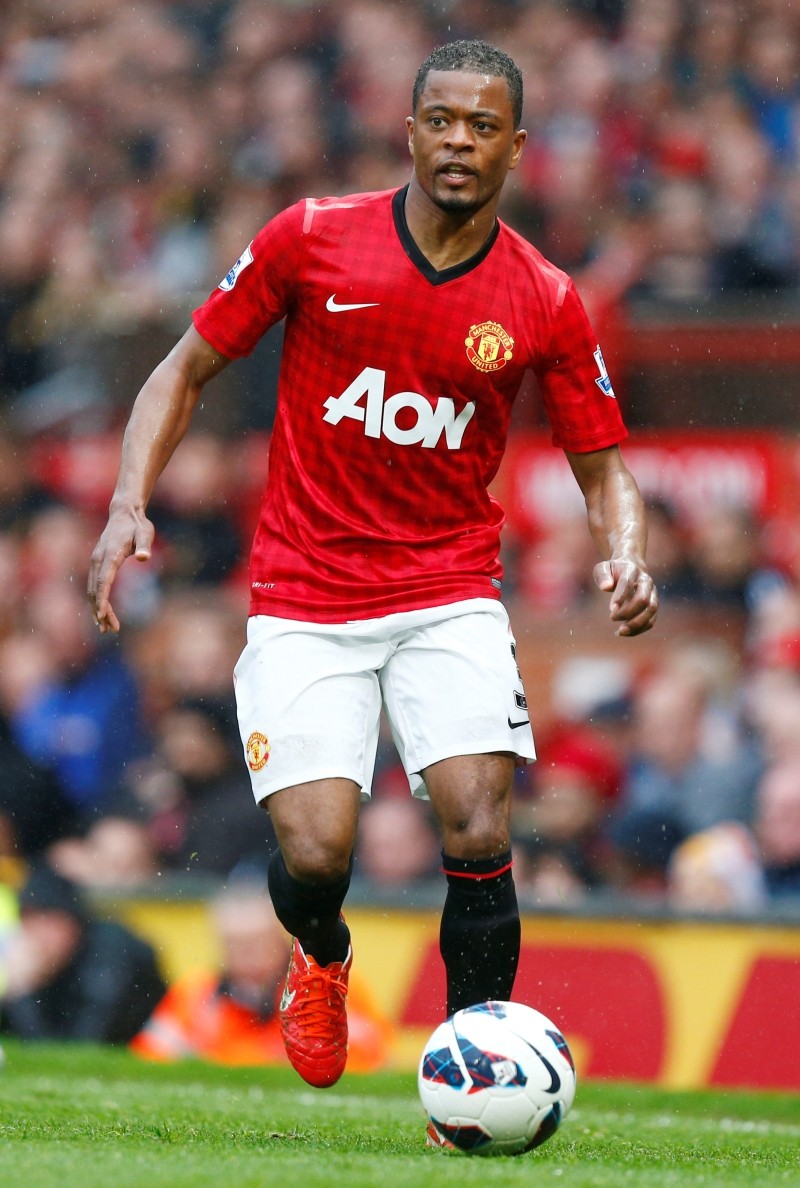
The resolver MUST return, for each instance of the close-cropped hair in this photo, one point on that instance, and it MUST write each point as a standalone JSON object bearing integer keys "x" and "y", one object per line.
{"x": 474, "y": 57}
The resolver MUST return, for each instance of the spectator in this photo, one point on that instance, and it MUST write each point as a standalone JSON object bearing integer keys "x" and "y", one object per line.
{"x": 727, "y": 555}
{"x": 551, "y": 571}
{"x": 69, "y": 976}
{"x": 222, "y": 828}
{"x": 668, "y": 553}
{"x": 21, "y": 494}
{"x": 34, "y": 811}
{"x": 717, "y": 870}
{"x": 397, "y": 842}
{"x": 116, "y": 853}
{"x": 196, "y": 514}
{"x": 693, "y": 774}
{"x": 680, "y": 270}
{"x": 81, "y": 719}
{"x": 777, "y": 827}
{"x": 187, "y": 651}
{"x": 559, "y": 828}
{"x": 193, "y": 795}
{"x": 136, "y": 132}
{"x": 229, "y": 1015}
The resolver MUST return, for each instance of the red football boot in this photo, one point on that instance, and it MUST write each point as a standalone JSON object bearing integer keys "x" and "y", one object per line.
{"x": 313, "y": 1017}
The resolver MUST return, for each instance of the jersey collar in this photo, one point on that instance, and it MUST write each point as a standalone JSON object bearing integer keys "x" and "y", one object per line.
{"x": 420, "y": 261}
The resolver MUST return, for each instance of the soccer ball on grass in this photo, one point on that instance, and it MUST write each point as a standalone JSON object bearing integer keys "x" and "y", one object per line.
{"x": 496, "y": 1078}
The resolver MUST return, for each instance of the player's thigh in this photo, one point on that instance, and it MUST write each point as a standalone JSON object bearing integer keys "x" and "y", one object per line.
{"x": 453, "y": 688}
{"x": 308, "y": 704}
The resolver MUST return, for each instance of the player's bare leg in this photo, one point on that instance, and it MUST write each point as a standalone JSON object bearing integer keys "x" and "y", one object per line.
{"x": 480, "y": 928}
{"x": 315, "y": 824}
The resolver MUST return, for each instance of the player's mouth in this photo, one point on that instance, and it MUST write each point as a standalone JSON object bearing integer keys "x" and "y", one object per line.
{"x": 456, "y": 174}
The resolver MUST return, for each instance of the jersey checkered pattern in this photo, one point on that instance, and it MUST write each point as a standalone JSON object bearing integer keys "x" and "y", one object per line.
{"x": 394, "y": 401}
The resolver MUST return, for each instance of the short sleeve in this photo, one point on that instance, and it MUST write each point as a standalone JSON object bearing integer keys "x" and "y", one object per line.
{"x": 576, "y": 389}
{"x": 257, "y": 291}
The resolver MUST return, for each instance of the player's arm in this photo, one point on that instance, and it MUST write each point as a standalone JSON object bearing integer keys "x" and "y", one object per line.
{"x": 159, "y": 418}
{"x": 618, "y": 526}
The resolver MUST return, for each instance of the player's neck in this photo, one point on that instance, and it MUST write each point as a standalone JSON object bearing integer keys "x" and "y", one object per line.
{"x": 446, "y": 239}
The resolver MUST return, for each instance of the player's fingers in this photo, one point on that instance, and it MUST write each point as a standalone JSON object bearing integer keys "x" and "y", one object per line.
{"x": 143, "y": 540}
{"x": 628, "y": 589}
{"x": 106, "y": 619}
{"x": 103, "y": 569}
{"x": 100, "y": 581}
{"x": 118, "y": 542}
{"x": 104, "y": 563}
{"x": 639, "y": 614}
{"x": 603, "y": 576}
{"x": 93, "y": 585}
{"x": 637, "y": 625}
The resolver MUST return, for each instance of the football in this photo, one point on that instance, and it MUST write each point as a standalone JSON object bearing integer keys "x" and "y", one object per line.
{"x": 496, "y": 1078}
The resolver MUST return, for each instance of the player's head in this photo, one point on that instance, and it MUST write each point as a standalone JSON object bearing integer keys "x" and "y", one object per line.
{"x": 464, "y": 134}
{"x": 473, "y": 57}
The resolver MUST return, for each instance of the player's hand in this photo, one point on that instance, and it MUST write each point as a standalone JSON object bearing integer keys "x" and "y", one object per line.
{"x": 127, "y": 533}
{"x": 634, "y": 598}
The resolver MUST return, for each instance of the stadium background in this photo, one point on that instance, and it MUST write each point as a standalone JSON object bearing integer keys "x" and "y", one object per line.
{"x": 141, "y": 146}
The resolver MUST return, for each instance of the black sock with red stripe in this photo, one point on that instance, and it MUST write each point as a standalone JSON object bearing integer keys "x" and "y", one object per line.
{"x": 479, "y": 936}
{"x": 311, "y": 911}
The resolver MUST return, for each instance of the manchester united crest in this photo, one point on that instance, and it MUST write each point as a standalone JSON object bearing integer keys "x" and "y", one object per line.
{"x": 489, "y": 347}
{"x": 257, "y": 751}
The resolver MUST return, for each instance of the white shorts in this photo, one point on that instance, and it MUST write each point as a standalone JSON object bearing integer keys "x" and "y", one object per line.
{"x": 309, "y": 695}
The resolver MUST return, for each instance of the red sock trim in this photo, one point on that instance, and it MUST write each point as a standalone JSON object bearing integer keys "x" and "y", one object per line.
{"x": 492, "y": 874}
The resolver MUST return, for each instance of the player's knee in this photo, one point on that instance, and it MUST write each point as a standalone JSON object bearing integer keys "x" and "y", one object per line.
{"x": 317, "y": 861}
{"x": 475, "y": 817}
{"x": 463, "y": 844}
{"x": 480, "y": 831}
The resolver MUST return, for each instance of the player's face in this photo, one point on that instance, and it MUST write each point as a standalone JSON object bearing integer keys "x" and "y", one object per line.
{"x": 462, "y": 139}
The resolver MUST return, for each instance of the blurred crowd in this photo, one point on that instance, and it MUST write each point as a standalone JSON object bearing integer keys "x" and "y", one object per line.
{"x": 142, "y": 144}
{"x": 121, "y": 763}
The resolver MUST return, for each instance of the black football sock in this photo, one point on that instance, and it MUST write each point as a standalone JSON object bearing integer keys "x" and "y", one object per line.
{"x": 479, "y": 936}
{"x": 311, "y": 911}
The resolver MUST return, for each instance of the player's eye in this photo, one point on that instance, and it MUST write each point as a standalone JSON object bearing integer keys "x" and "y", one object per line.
{"x": 437, "y": 121}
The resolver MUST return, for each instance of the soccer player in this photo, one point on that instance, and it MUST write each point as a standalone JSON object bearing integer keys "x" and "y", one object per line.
{"x": 411, "y": 317}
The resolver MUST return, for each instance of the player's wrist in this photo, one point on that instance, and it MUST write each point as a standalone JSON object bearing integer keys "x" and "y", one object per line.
{"x": 628, "y": 557}
{"x": 122, "y": 504}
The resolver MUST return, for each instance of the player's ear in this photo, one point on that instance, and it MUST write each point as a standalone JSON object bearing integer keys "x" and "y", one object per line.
{"x": 520, "y": 136}
{"x": 410, "y": 128}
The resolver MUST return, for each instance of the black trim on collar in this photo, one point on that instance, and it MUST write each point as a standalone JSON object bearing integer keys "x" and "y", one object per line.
{"x": 420, "y": 261}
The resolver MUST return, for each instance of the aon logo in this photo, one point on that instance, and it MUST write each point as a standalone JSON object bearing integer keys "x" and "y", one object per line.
{"x": 364, "y": 400}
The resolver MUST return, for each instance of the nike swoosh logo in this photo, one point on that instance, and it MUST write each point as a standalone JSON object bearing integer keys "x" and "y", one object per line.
{"x": 287, "y": 999}
{"x": 555, "y": 1079}
{"x": 524, "y": 722}
{"x": 333, "y": 306}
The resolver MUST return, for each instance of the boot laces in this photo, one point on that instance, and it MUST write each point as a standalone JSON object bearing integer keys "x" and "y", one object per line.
{"x": 321, "y": 997}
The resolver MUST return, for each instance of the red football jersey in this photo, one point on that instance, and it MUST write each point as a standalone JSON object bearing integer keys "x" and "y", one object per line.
{"x": 394, "y": 401}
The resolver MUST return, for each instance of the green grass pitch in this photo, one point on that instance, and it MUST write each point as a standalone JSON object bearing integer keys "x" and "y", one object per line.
{"x": 82, "y": 1117}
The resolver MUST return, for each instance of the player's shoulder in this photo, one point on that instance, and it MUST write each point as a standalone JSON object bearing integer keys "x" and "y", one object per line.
{"x": 324, "y": 212}
{"x": 314, "y": 216}
{"x": 543, "y": 273}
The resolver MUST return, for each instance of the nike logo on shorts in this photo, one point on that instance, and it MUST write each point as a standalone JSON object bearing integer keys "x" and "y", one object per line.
{"x": 333, "y": 306}
{"x": 524, "y": 722}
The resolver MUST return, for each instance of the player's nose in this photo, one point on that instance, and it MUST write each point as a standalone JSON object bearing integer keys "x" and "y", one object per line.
{"x": 459, "y": 136}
